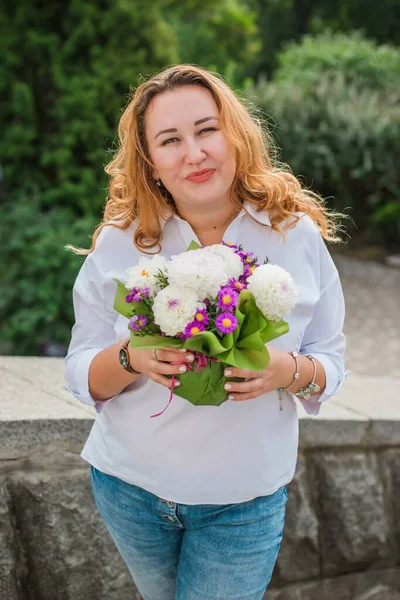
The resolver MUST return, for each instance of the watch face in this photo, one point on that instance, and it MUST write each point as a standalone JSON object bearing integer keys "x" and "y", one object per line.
{"x": 123, "y": 357}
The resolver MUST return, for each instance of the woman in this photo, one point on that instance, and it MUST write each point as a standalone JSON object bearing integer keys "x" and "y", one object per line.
{"x": 195, "y": 499}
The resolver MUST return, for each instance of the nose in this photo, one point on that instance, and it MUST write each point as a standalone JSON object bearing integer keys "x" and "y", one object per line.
{"x": 194, "y": 151}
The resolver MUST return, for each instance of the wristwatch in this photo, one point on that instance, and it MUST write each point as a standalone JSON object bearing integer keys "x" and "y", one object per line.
{"x": 124, "y": 360}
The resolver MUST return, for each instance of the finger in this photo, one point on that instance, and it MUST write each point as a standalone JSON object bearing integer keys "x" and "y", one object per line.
{"x": 165, "y": 368}
{"x": 243, "y": 387}
{"x": 171, "y": 355}
{"x": 241, "y": 397}
{"x": 166, "y": 381}
{"x": 242, "y": 373}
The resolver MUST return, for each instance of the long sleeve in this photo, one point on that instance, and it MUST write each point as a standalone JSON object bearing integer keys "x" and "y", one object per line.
{"x": 93, "y": 329}
{"x": 324, "y": 338}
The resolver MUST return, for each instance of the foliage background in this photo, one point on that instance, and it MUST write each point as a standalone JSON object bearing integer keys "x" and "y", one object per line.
{"x": 325, "y": 76}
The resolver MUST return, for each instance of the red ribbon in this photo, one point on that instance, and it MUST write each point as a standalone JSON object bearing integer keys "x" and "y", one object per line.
{"x": 199, "y": 363}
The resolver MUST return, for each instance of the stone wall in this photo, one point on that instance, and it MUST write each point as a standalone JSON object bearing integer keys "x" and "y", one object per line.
{"x": 342, "y": 531}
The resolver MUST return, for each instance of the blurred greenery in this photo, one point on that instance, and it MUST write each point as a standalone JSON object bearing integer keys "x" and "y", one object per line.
{"x": 67, "y": 70}
{"x": 334, "y": 108}
{"x": 35, "y": 303}
{"x": 325, "y": 76}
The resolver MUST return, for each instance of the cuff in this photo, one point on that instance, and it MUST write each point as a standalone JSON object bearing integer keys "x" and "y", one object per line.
{"x": 333, "y": 385}
{"x": 81, "y": 375}
{"x": 98, "y": 404}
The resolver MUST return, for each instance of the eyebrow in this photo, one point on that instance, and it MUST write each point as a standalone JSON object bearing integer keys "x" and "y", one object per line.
{"x": 173, "y": 130}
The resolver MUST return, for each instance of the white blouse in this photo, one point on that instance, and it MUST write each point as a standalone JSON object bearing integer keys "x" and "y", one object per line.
{"x": 205, "y": 454}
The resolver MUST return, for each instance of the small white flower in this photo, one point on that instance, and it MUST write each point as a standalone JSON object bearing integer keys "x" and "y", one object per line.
{"x": 201, "y": 271}
{"x": 143, "y": 274}
{"x": 174, "y": 308}
{"x": 274, "y": 291}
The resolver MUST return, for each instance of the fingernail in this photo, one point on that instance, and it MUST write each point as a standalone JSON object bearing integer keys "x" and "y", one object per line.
{"x": 228, "y": 372}
{"x": 182, "y": 349}
{"x": 177, "y": 384}
{"x": 189, "y": 357}
{"x": 228, "y": 386}
{"x": 182, "y": 369}
{"x": 230, "y": 397}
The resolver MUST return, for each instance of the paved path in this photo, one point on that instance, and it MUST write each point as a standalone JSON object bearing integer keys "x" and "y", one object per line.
{"x": 372, "y": 325}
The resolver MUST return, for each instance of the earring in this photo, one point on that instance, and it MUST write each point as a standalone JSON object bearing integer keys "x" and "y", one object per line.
{"x": 158, "y": 182}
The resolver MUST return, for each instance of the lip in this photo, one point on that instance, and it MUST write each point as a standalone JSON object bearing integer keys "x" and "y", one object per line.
{"x": 199, "y": 176}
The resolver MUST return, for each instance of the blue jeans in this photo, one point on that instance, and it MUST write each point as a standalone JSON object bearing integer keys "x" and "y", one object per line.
{"x": 192, "y": 552}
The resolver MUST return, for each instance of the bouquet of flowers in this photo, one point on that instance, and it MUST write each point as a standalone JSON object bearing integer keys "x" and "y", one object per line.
{"x": 215, "y": 301}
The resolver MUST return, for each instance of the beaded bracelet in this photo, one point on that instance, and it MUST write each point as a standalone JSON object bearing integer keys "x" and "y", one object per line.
{"x": 295, "y": 378}
{"x": 312, "y": 386}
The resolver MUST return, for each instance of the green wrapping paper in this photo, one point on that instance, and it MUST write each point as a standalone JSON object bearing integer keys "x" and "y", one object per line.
{"x": 244, "y": 348}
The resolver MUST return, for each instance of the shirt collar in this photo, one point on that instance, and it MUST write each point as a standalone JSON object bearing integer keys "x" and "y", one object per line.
{"x": 261, "y": 216}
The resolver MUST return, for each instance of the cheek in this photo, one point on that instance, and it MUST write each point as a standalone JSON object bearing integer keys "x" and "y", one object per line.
{"x": 224, "y": 152}
{"x": 165, "y": 161}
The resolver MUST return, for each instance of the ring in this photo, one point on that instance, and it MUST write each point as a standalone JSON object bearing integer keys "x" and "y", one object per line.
{"x": 258, "y": 375}
{"x": 154, "y": 354}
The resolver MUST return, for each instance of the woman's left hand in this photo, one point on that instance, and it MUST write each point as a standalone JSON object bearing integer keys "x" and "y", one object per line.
{"x": 279, "y": 373}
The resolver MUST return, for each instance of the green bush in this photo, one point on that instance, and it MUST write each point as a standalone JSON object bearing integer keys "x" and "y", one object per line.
{"x": 339, "y": 134}
{"x": 221, "y": 36}
{"x": 361, "y": 61}
{"x": 66, "y": 69}
{"x": 38, "y": 274}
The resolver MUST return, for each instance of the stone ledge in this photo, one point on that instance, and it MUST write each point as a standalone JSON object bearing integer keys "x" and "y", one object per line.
{"x": 354, "y": 586}
{"x": 35, "y": 409}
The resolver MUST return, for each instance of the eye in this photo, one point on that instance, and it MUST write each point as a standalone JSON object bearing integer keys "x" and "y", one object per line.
{"x": 168, "y": 141}
{"x": 208, "y": 129}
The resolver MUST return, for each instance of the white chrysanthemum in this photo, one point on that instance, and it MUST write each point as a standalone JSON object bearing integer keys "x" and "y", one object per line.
{"x": 200, "y": 271}
{"x": 233, "y": 263}
{"x": 274, "y": 291}
{"x": 174, "y": 308}
{"x": 143, "y": 274}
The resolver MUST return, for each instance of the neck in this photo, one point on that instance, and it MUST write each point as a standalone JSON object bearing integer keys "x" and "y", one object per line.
{"x": 212, "y": 223}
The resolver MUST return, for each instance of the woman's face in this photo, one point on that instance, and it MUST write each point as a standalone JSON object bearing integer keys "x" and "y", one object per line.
{"x": 191, "y": 155}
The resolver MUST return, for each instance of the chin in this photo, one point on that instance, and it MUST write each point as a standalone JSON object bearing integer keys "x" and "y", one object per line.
{"x": 206, "y": 196}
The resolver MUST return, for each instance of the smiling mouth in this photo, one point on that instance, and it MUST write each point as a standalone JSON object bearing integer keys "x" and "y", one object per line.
{"x": 201, "y": 175}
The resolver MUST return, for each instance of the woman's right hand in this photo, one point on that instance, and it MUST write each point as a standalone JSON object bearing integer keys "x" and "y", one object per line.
{"x": 143, "y": 361}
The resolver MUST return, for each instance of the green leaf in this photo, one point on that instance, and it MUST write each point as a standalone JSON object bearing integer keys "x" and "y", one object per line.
{"x": 193, "y": 245}
{"x": 120, "y": 304}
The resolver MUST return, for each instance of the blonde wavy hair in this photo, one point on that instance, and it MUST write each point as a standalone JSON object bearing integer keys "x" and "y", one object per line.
{"x": 260, "y": 179}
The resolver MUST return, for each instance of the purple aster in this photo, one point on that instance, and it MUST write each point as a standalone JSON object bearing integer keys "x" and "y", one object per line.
{"x": 247, "y": 272}
{"x": 141, "y": 294}
{"x": 237, "y": 285}
{"x": 137, "y": 294}
{"x": 193, "y": 327}
{"x": 201, "y": 316}
{"x": 226, "y": 322}
{"x": 249, "y": 257}
{"x": 230, "y": 245}
{"x": 227, "y": 298}
{"x": 137, "y": 322}
{"x": 241, "y": 255}
{"x": 130, "y": 296}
